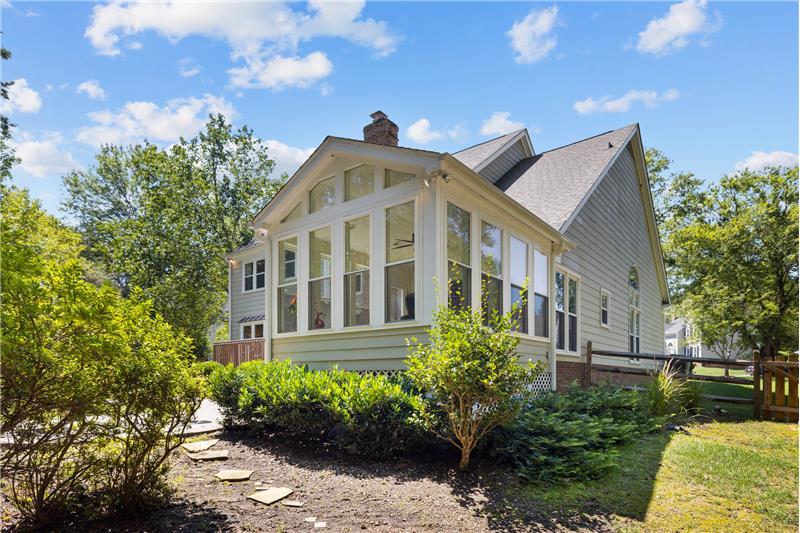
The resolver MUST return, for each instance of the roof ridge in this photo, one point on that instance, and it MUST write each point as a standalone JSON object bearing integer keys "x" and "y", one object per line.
{"x": 586, "y": 139}
{"x": 488, "y": 141}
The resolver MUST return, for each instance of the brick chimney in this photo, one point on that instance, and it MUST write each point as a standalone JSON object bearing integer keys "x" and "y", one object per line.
{"x": 381, "y": 130}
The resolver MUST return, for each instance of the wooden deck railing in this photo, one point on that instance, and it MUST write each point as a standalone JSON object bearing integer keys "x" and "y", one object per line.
{"x": 238, "y": 352}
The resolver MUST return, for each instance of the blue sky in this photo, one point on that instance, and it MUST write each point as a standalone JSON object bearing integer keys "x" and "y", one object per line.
{"x": 714, "y": 85}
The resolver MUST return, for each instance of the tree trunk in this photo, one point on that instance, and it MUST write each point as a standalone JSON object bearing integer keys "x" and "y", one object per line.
{"x": 465, "y": 452}
{"x": 727, "y": 371}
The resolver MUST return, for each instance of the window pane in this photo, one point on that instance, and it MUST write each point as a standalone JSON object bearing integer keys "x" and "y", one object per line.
{"x": 260, "y": 265}
{"x": 400, "y": 292}
{"x": 395, "y": 177}
{"x": 319, "y": 253}
{"x": 322, "y": 195}
{"x": 400, "y": 232}
{"x": 358, "y": 182}
{"x": 492, "y": 300}
{"x": 246, "y": 333}
{"x": 560, "y": 327}
{"x": 519, "y": 261}
{"x": 287, "y": 309}
{"x": 573, "y": 333}
{"x": 293, "y": 214}
{"x": 604, "y": 300}
{"x": 260, "y": 281}
{"x": 541, "y": 312}
{"x": 319, "y": 308}
{"x": 559, "y": 291}
{"x": 519, "y": 299}
{"x": 604, "y": 316}
{"x": 491, "y": 250}
{"x": 248, "y": 283}
{"x": 287, "y": 255}
{"x": 260, "y": 274}
{"x": 259, "y": 333}
{"x": 573, "y": 296}
{"x": 460, "y": 285}
{"x": 540, "y": 276}
{"x": 356, "y": 244}
{"x": 458, "y": 234}
{"x": 356, "y": 299}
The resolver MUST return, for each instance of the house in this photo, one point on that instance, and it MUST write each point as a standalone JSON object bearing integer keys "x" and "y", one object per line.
{"x": 354, "y": 253}
{"x": 681, "y": 339}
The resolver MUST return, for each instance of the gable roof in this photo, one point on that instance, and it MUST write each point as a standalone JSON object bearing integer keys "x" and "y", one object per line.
{"x": 554, "y": 184}
{"x": 479, "y": 154}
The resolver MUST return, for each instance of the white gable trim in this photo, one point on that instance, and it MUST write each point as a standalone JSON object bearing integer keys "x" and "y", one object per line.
{"x": 522, "y": 135}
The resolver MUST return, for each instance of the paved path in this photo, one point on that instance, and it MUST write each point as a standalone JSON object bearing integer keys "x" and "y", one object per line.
{"x": 206, "y": 419}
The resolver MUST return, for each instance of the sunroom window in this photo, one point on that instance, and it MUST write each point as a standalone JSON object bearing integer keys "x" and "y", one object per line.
{"x": 396, "y": 177}
{"x": 294, "y": 214}
{"x": 287, "y": 285}
{"x": 254, "y": 275}
{"x": 519, "y": 277}
{"x": 322, "y": 195}
{"x": 400, "y": 250}
{"x": 356, "y": 272}
{"x": 319, "y": 279}
{"x": 459, "y": 271}
{"x": 541, "y": 300}
{"x": 359, "y": 182}
{"x": 491, "y": 271}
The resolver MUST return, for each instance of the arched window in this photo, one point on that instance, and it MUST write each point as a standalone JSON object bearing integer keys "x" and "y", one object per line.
{"x": 634, "y": 301}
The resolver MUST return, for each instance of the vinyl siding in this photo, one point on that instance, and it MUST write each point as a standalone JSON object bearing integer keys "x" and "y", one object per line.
{"x": 504, "y": 162}
{"x": 249, "y": 303}
{"x": 611, "y": 235}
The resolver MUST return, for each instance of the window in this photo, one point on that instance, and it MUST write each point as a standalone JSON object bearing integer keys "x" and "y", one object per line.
{"x": 319, "y": 279}
{"x": 604, "y": 308}
{"x": 254, "y": 275}
{"x": 560, "y": 325}
{"x": 295, "y": 213}
{"x": 566, "y": 312}
{"x": 519, "y": 282}
{"x": 253, "y": 330}
{"x": 491, "y": 271}
{"x": 633, "y": 311}
{"x": 399, "y": 279}
{"x": 395, "y": 177}
{"x": 322, "y": 195}
{"x": 359, "y": 182}
{"x": 287, "y": 285}
{"x": 541, "y": 301}
{"x": 356, "y": 272}
{"x": 459, "y": 271}
{"x": 572, "y": 310}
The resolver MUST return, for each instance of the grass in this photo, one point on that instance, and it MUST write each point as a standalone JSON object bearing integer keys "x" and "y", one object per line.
{"x": 723, "y": 476}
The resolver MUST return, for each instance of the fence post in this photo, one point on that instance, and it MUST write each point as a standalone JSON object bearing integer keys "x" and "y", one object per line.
{"x": 587, "y": 367}
{"x": 756, "y": 384}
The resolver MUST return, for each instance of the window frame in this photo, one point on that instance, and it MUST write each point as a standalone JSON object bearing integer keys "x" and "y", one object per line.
{"x": 375, "y": 187}
{"x": 254, "y": 275}
{"x": 525, "y": 289}
{"x": 634, "y": 297}
{"x": 606, "y": 324}
{"x": 336, "y": 200}
{"x": 309, "y": 280}
{"x": 343, "y": 221}
{"x": 278, "y": 285}
{"x": 251, "y": 325}
{"x": 569, "y": 275}
{"x": 382, "y": 208}
{"x": 447, "y": 259}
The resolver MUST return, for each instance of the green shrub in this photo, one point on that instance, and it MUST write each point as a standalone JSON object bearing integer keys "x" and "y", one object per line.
{"x": 206, "y": 368}
{"x": 571, "y": 435}
{"x": 472, "y": 373}
{"x": 362, "y": 414}
{"x": 668, "y": 393}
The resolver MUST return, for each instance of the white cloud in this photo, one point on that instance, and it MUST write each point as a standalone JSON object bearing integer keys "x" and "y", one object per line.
{"x": 761, "y": 160}
{"x": 287, "y": 158}
{"x": 92, "y": 89}
{"x": 673, "y": 31}
{"x": 21, "y": 98}
{"x": 135, "y": 121}
{"x": 264, "y": 35}
{"x": 325, "y": 89}
{"x": 421, "y": 132}
{"x": 623, "y": 103}
{"x": 279, "y": 72}
{"x": 531, "y": 38}
{"x": 500, "y": 123}
{"x": 44, "y": 156}
{"x": 187, "y": 68}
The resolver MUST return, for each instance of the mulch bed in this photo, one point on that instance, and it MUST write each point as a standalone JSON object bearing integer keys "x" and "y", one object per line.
{"x": 424, "y": 493}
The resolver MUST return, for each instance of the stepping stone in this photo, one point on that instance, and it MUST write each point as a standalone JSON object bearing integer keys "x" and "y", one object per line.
{"x": 234, "y": 475}
{"x": 320, "y": 525}
{"x": 270, "y": 496}
{"x": 199, "y": 446}
{"x": 209, "y": 455}
{"x": 292, "y": 503}
{"x": 311, "y": 519}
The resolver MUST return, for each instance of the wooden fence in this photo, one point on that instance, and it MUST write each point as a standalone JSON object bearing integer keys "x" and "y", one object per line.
{"x": 238, "y": 352}
{"x": 775, "y": 383}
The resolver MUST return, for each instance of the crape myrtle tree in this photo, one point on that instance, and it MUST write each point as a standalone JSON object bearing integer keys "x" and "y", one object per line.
{"x": 162, "y": 218}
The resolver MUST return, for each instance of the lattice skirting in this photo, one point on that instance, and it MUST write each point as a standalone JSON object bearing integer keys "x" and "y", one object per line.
{"x": 542, "y": 383}
{"x": 388, "y": 373}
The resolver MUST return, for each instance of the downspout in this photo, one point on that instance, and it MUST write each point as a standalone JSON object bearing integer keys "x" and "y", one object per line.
{"x": 230, "y": 301}
{"x": 551, "y": 313}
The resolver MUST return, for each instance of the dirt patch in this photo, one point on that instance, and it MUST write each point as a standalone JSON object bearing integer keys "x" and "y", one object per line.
{"x": 348, "y": 494}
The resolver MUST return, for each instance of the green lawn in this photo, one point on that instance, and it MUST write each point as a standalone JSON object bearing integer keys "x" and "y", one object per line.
{"x": 723, "y": 476}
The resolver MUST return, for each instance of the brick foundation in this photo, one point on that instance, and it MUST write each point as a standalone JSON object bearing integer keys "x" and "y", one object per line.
{"x": 569, "y": 371}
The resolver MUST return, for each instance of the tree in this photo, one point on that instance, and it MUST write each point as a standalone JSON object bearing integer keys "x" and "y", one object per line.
{"x": 735, "y": 248}
{"x": 711, "y": 323}
{"x": 472, "y": 373}
{"x": 8, "y": 156}
{"x": 161, "y": 219}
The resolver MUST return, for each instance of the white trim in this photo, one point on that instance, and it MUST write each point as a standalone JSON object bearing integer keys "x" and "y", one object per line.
{"x": 521, "y": 134}
{"x": 254, "y": 275}
{"x": 604, "y": 292}
{"x": 230, "y": 300}
{"x": 570, "y": 275}
{"x": 252, "y": 325}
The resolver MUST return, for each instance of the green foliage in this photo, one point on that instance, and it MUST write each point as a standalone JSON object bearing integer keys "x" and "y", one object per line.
{"x": 472, "y": 373}
{"x": 206, "y": 368}
{"x": 573, "y": 435}
{"x": 667, "y": 393}
{"x": 161, "y": 219}
{"x": 95, "y": 388}
{"x": 8, "y": 157}
{"x": 362, "y": 414}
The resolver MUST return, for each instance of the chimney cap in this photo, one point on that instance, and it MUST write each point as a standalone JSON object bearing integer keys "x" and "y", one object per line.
{"x": 377, "y": 115}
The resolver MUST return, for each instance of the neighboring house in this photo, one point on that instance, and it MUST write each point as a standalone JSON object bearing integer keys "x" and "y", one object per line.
{"x": 680, "y": 339}
{"x": 355, "y": 252}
